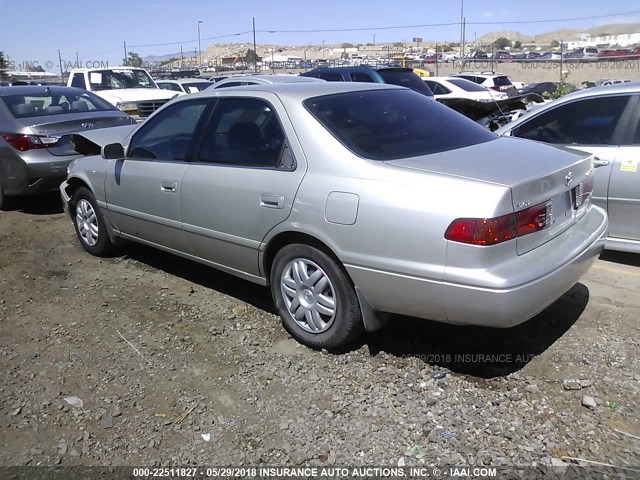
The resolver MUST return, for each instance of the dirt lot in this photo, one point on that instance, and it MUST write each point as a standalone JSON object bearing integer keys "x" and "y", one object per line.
{"x": 177, "y": 364}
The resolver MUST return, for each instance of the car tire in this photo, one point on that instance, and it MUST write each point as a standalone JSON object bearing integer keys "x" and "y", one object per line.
{"x": 3, "y": 199}
{"x": 89, "y": 224}
{"x": 315, "y": 298}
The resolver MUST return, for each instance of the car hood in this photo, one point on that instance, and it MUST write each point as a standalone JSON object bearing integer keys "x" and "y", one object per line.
{"x": 534, "y": 171}
{"x": 91, "y": 142}
{"x": 135, "y": 94}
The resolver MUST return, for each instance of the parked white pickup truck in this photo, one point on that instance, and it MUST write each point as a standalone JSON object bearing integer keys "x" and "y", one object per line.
{"x": 131, "y": 89}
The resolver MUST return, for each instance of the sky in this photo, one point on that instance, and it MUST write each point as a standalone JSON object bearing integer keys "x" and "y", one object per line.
{"x": 89, "y": 31}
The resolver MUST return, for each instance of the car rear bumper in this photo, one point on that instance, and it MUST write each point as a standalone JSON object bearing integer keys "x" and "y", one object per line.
{"x": 37, "y": 172}
{"x": 498, "y": 296}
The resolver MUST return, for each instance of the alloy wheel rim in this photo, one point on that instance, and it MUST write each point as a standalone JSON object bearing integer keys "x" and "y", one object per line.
{"x": 87, "y": 222}
{"x": 308, "y": 295}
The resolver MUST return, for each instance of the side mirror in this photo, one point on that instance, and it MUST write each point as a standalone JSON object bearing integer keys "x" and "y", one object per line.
{"x": 113, "y": 151}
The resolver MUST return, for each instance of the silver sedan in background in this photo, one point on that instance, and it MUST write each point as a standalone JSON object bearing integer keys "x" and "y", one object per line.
{"x": 351, "y": 201}
{"x": 34, "y": 125}
{"x": 605, "y": 122}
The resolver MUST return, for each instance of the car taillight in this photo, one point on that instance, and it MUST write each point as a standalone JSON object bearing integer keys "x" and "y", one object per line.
{"x": 28, "y": 142}
{"x": 582, "y": 192}
{"x": 491, "y": 231}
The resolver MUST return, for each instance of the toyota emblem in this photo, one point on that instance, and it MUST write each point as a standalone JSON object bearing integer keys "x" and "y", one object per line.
{"x": 568, "y": 179}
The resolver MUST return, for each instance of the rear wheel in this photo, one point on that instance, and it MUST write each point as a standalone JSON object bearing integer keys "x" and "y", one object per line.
{"x": 90, "y": 225}
{"x": 314, "y": 297}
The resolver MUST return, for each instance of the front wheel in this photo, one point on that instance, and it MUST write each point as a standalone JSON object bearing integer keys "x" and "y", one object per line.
{"x": 314, "y": 297}
{"x": 90, "y": 225}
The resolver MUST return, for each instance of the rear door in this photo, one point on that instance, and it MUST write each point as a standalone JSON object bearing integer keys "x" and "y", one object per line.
{"x": 242, "y": 182}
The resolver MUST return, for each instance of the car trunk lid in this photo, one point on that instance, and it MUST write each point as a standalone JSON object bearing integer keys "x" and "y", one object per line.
{"x": 536, "y": 174}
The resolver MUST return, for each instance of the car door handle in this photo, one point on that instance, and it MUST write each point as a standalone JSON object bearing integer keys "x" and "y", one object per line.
{"x": 271, "y": 201}
{"x": 169, "y": 187}
{"x": 599, "y": 163}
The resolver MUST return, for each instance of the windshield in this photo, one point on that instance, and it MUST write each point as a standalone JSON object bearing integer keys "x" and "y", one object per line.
{"x": 120, "y": 78}
{"x": 392, "y": 124}
{"x": 466, "y": 85}
{"x": 406, "y": 78}
{"x": 52, "y": 102}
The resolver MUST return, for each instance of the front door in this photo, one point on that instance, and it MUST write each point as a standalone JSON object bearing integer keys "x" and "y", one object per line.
{"x": 143, "y": 190}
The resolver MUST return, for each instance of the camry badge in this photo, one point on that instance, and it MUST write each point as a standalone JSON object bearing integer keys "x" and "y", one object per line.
{"x": 568, "y": 179}
{"x": 87, "y": 125}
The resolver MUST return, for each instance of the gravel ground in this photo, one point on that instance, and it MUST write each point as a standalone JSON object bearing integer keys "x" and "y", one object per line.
{"x": 172, "y": 363}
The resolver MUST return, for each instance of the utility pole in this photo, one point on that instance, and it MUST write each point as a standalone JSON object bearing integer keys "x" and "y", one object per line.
{"x": 77, "y": 60}
{"x": 181, "y": 57}
{"x": 436, "y": 59}
{"x": 125, "y": 52}
{"x": 199, "y": 48}
{"x": 462, "y": 31}
{"x": 60, "y": 60}
{"x": 255, "y": 51}
{"x": 374, "y": 39}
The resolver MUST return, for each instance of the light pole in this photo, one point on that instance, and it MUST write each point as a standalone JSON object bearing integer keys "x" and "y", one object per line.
{"x": 199, "y": 49}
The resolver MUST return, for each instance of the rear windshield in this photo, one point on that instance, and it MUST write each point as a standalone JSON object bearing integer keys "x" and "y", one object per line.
{"x": 392, "y": 124}
{"x": 196, "y": 86}
{"x": 467, "y": 85}
{"x": 54, "y": 102}
{"x": 502, "y": 81}
{"x": 406, "y": 79}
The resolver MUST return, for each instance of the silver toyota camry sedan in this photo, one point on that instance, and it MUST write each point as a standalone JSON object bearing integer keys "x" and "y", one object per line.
{"x": 351, "y": 201}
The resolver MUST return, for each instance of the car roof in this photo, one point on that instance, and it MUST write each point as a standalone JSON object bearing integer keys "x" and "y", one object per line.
{"x": 361, "y": 68}
{"x": 300, "y": 90}
{"x": 479, "y": 74}
{"x": 269, "y": 79}
{"x": 32, "y": 89}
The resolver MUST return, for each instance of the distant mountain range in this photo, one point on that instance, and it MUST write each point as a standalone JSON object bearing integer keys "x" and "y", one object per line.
{"x": 564, "y": 35}
{"x": 231, "y": 49}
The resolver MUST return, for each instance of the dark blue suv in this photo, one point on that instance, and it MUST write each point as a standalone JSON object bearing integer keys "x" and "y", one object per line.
{"x": 393, "y": 75}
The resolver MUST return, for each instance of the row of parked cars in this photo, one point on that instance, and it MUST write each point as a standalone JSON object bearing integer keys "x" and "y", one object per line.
{"x": 295, "y": 183}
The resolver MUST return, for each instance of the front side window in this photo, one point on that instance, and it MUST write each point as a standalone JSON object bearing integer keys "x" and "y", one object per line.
{"x": 169, "y": 135}
{"x": 392, "y": 124}
{"x": 591, "y": 121}
{"x": 245, "y": 132}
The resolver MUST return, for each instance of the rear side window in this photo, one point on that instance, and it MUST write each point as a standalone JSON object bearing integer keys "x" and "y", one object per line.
{"x": 361, "y": 77}
{"x": 467, "y": 85}
{"x": 392, "y": 124}
{"x": 502, "y": 81}
{"x": 591, "y": 121}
